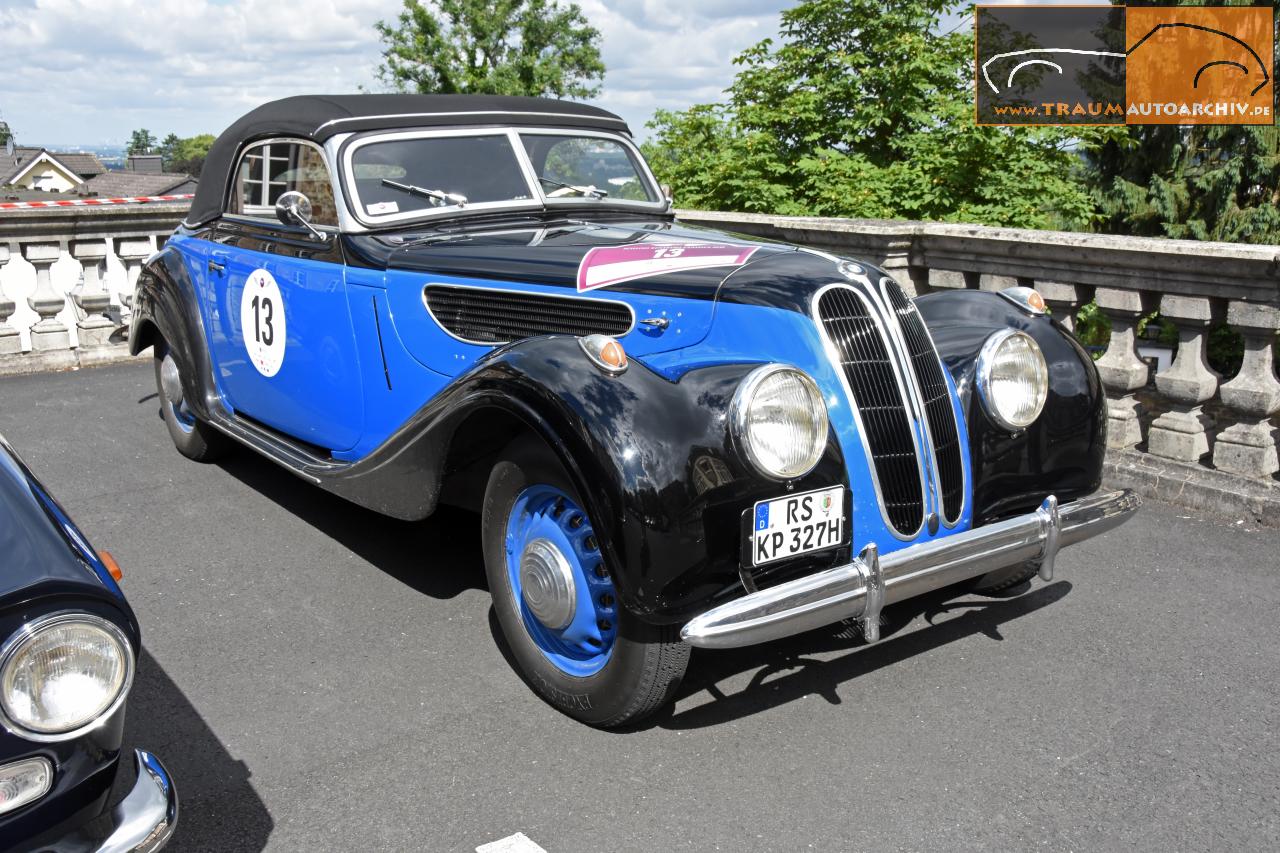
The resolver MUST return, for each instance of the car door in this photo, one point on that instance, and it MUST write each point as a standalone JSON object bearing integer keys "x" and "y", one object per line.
{"x": 283, "y": 343}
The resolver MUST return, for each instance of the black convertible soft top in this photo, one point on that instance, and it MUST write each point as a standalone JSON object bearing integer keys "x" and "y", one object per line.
{"x": 318, "y": 117}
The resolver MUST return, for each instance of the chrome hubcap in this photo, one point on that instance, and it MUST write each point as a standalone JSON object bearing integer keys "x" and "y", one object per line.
{"x": 171, "y": 381}
{"x": 546, "y": 582}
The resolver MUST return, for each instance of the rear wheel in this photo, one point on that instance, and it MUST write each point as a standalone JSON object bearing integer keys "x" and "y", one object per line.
{"x": 556, "y": 603}
{"x": 194, "y": 438}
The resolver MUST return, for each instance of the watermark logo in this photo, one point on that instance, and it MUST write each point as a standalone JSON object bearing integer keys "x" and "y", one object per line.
{"x": 1079, "y": 65}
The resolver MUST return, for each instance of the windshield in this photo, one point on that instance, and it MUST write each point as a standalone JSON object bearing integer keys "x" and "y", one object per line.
{"x": 404, "y": 176}
{"x": 585, "y": 166}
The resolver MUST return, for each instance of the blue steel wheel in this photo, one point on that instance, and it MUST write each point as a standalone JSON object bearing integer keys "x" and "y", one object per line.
{"x": 565, "y": 596}
{"x": 558, "y": 603}
{"x": 192, "y": 437}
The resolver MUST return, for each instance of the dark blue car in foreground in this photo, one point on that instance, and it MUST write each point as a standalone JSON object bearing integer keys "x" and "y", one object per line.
{"x": 675, "y": 436}
{"x": 69, "y": 645}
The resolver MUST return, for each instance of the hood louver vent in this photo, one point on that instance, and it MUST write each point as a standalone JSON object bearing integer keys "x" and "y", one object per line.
{"x": 483, "y": 316}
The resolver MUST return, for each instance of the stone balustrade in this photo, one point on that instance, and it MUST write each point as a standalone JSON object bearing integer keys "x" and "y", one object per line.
{"x": 1180, "y": 433}
{"x": 66, "y": 281}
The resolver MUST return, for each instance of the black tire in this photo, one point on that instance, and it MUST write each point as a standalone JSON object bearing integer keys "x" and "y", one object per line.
{"x": 194, "y": 438}
{"x": 647, "y": 661}
{"x": 1003, "y": 579}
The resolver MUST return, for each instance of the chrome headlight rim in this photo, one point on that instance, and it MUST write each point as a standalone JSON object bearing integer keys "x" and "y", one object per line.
{"x": 986, "y": 357}
{"x": 27, "y": 633}
{"x": 739, "y": 410}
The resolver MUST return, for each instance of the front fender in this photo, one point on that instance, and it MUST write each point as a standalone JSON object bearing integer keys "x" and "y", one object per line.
{"x": 1062, "y": 452}
{"x": 653, "y": 459}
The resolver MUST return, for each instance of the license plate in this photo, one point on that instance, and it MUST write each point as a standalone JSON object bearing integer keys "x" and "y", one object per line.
{"x": 797, "y": 524}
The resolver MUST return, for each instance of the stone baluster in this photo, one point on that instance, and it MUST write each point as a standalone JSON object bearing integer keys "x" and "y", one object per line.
{"x": 994, "y": 282}
{"x": 897, "y": 263}
{"x": 1249, "y": 446}
{"x": 1121, "y": 370}
{"x": 94, "y": 331}
{"x": 1182, "y": 433}
{"x": 132, "y": 252}
{"x": 48, "y": 336}
{"x": 10, "y": 340}
{"x": 1064, "y": 300}
{"x": 947, "y": 279}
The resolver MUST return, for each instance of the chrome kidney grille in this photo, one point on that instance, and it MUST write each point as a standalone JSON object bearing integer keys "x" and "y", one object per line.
{"x": 893, "y": 376}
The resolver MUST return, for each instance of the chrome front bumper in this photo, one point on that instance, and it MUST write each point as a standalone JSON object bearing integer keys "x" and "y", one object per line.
{"x": 144, "y": 820}
{"x": 861, "y": 588}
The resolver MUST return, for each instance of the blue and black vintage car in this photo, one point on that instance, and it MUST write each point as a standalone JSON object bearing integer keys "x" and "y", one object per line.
{"x": 68, "y": 649}
{"x": 676, "y": 436}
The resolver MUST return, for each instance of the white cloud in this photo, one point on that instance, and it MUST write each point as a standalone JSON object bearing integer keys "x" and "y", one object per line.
{"x": 90, "y": 71}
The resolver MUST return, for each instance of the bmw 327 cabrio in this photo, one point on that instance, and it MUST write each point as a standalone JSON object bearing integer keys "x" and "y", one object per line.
{"x": 675, "y": 436}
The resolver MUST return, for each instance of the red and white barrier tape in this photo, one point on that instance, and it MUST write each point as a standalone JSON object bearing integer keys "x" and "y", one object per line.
{"x": 90, "y": 202}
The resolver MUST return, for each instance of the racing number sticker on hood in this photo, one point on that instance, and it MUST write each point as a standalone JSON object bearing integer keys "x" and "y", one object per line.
{"x": 606, "y": 265}
{"x": 262, "y": 322}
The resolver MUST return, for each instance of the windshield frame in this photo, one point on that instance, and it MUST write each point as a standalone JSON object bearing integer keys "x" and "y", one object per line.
{"x": 538, "y": 199}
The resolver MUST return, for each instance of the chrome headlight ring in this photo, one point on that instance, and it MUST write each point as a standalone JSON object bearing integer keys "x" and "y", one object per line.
{"x": 1000, "y": 354}
{"x": 31, "y": 633}
{"x": 742, "y": 422}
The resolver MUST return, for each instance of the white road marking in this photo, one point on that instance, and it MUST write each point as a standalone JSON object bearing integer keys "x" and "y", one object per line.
{"x": 518, "y": 843}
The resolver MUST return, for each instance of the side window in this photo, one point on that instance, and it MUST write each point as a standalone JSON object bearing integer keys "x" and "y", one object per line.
{"x": 272, "y": 168}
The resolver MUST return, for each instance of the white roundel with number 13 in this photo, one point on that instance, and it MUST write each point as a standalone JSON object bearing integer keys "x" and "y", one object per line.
{"x": 262, "y": 322}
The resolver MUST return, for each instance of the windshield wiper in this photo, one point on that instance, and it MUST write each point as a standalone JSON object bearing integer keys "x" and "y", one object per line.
{"x": 591, "y": 191}
{"x": 434, "y": 195}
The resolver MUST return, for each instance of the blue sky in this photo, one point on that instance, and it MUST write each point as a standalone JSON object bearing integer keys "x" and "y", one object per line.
{"x": 90, "y": 71}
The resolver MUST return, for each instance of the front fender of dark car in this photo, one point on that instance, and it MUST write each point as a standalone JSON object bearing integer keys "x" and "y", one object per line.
{"x": 51, "y": 568}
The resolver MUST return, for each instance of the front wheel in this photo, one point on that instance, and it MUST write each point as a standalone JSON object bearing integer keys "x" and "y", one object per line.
{"x": 556, "y": 604}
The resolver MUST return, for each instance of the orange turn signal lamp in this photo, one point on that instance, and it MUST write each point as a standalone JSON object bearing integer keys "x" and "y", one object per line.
{"x": 1027, "y": 298}
{"x": 110, "y": 562}
{"x": 605, "y": 353}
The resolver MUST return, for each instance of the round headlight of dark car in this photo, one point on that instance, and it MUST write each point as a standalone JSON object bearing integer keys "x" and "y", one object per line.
{"x": 61, "y": 675}
{"x": 780, "y": 419}
{"x": 1013, "y": 379}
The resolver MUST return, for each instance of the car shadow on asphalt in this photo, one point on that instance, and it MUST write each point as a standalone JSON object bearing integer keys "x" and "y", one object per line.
{"x": 450, "y": 535}
{"x": 787, "y": 670}
{"x": 218, "y": 808}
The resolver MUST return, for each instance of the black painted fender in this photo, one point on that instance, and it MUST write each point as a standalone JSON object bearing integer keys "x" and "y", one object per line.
{"x": 1062, "y": 452}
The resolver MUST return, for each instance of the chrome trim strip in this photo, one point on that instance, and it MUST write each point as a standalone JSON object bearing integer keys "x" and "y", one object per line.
{"x": 443, "y": 328}
{"x": 833, "y": 356}
{"x": 924, "y": 419}
{"x": 849, "y": 591}
{"x": 334, "y": 121}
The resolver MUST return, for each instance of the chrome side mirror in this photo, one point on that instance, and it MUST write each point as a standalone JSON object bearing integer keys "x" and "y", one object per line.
{"x": 294, "y": 208}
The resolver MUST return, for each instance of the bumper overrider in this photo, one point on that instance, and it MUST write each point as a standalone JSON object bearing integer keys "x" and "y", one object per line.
{"x": 858, "y": 590}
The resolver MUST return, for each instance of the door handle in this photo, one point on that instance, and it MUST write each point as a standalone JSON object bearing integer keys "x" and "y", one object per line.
{"x": 217, "y": 266}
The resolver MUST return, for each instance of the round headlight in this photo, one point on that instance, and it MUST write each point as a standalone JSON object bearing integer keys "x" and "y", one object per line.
{"x": 780, "y": 420}
{"x": 61, "y": 675}
{"x": 1013, "y": 379}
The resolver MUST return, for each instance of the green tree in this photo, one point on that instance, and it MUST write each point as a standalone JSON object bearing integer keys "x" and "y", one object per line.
{"x": 168, "y": 147}
{"x": 1197, "y": 182}
{"x": 865, "y": 109}
{"x": 499, "y": 47}
{"x": 141, "y": 142}
{"x": 189, "y": 154}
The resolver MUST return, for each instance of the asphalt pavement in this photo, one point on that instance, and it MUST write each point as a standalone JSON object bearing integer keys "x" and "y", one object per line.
{"x": 318, "y": 678}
